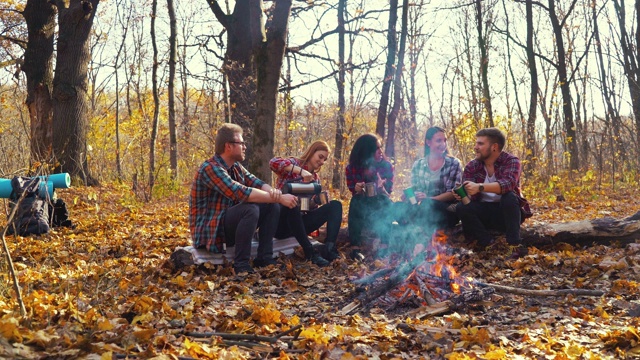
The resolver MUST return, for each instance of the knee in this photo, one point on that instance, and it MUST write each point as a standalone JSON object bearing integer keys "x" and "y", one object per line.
{"x": 336, "y": 207}
{"x": 509, "y": 200}
{"x": 251, "y": 211}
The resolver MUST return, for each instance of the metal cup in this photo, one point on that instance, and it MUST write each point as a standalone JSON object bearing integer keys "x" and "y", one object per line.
{"x": 304, "y": 203}
{"x": 462, "y": 193}
{"x": 409, "y": 194}
{"x": 324, "y": 197}
{"x": 370, "y": 189}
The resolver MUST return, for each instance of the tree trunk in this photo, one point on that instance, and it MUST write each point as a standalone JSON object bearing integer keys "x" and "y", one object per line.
{"x": 397, "y": 84}
{"x": 70, "y": 118}
{"x": 484, "y": 64}
{"x": 244, "y": 39}
{"x": 38, "y": 67}
{"x": 156, "y": 102}
{"x": 269, "y": 66}
{"x": 340, "y": 123}
{"x": 567, "y": 105}
{"x": 388, "y": 70}
{"x": 631, "y": 57}
{"x": 173, "y": 136}
{"x": 532, "y": 155}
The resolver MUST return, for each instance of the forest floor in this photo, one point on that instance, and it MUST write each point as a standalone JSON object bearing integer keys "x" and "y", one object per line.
{"x": 107, "y": 290}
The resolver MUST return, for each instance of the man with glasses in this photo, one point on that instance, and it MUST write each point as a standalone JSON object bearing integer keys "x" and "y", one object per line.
{"x": 227, "y": 204}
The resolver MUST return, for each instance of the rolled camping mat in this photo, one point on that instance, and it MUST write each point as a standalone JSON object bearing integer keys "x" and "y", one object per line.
{"x": 5, "y": 188}
{"x": 61, "y": 181}
{"x": 44, "y": 188}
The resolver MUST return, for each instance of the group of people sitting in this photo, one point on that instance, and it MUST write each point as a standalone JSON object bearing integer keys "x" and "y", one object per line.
{"x": 228, "y": 204}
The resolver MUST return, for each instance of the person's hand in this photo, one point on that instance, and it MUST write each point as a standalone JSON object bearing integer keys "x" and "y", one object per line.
{"x": 359, "y": 187}
{"x": 381, "y": 182}
{"x": 288, "y": 200}
{"x": 471, "y": 188}
{"x": 456, "y": 196}
{"x": 306, "y": 175}
{"x": 420, "y": 196}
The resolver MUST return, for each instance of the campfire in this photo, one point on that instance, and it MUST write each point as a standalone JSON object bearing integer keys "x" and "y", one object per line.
{"x": 429, "y": 284}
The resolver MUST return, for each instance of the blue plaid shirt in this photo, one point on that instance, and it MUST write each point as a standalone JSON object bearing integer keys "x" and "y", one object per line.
{"x": 450, "y": 174}
{"x": 215, "y": 188}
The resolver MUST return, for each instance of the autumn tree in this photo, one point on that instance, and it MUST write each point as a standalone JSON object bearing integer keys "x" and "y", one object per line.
{"x": 70, "y": 105}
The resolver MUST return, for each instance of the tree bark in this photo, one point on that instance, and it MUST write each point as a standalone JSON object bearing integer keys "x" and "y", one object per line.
{"x": 70, "y": 117}
{"x": 38, "y": 67}
{"x": 567, "y": 104}
{"x": 532, "y": 155}
{"x": 340, "y": 122}
{"x": 388, "y": 70}
{"x": 484, "y": 63}
{"x": 269, "y": 66}
{"x": 156, "y": 102}
{"x": 244, "y": 39}
{"x": 173, "y": 136}
{"x": 390, "y": 149}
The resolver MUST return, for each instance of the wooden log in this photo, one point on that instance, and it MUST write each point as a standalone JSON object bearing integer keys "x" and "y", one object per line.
{"x": 602, "y": 230}
{"x": 531, "y": 292}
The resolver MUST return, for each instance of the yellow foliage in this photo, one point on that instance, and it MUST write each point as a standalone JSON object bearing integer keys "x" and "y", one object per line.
{"x": 315, "y": 334}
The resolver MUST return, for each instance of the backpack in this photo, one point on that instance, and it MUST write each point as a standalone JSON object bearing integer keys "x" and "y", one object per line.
{"x": 32, "y": 213}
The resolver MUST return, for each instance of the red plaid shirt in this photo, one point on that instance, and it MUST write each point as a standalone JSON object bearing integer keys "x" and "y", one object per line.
{"x": 215, "y": 188}
{"x": 277, "y": 165}
{"x": 507, "y": 171}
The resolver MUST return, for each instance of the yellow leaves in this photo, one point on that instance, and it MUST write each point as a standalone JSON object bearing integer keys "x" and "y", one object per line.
{"x": 266, "y": 314}
{"x": 9, "y": 329}
{"x": 475, "y": 335}
{"x": 625, "y": 287}
{"x": 315, "y": 334}
{"x": 621, "y": 339}
{"x": 496, "y": 354}
{"x": 196, "y": 349}
{"x": 144, "y": 334}
{"x": 104, "y": 324}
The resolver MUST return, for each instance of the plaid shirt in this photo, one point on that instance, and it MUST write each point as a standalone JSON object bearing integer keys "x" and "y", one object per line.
{"x": 215, "y": 188}
{"x": 450, "y": 174}
{"x": 356, "y": 174}
{"x": 277, "y": 165}
{"x": 507, "y": 172}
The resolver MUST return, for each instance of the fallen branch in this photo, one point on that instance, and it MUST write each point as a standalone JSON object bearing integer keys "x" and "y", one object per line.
{"x": 530, "y": 292}
{"x": 243, "y": 337}
{"x": 372, "y": 277}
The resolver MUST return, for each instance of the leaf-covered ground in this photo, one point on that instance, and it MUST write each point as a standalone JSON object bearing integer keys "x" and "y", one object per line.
{"x": 106, "y": 289}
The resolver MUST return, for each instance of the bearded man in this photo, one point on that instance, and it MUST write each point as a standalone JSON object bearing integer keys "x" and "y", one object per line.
{"x": 492, "y": 181}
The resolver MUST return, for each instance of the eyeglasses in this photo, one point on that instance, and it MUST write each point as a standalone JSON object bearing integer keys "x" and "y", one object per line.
{"x": 241, "y": 143}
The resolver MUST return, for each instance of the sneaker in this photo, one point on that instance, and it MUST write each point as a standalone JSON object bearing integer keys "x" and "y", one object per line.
{"x": 518, "y": 251}
{"x": 318, "y": 260}
{"x": 357, "y": 255}
{"x": 332, "y": 255}
{"x": 243, "y": 269}
{"x": 264, "y": 262}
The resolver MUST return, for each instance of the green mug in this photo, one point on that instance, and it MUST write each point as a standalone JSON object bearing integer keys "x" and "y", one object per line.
{"x": 459, "y": 189}
{"x": 409, "y": 194}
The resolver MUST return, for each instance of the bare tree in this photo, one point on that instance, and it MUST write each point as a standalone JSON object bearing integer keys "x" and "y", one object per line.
{"x": 388, "y": 70}
{"x": 173, "y": 137}
{"x": 339, "y": 144}
{"x": 390, "y": 148}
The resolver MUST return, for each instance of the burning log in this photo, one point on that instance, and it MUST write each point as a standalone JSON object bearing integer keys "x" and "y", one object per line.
{"x": 454, "y": 303}
{"x": 530, "y": 292}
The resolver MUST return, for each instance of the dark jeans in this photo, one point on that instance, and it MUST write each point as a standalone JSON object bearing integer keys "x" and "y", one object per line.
{"x": 241, "y": 222}
{"x": 477, "y": 217}
{"x": 294, "y": 222}
{"x": 373, "y": 213}
{"x": 431, "y": 214}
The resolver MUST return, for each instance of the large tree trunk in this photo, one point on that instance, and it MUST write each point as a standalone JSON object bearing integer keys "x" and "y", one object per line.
{"x": 337, "y": 165}
{"x": 390, "y": 149}
{"x": 244, "y": 39}
{"x": 70, "y": 118}
{"x": 38, "y": 67}
{"x": 631, "y": 58}
{"x": 388, "y": 70}
{"x": 269, "y": 66}
{"x": 173, "y": 137}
